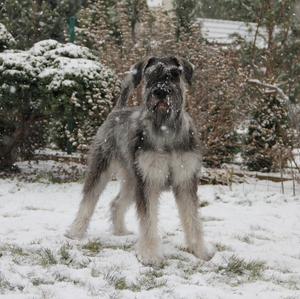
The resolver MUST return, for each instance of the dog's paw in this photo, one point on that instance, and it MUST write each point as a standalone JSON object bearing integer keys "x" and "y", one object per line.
{"x": 74, "y": 235}
{"x": 204, "y": 253}
{"x": 152, "y": 259}
{"x": 149, "y": 253}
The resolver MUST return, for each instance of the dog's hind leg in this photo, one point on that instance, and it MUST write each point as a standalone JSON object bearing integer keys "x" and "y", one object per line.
{"x": 97, "y": 176}
{"x": 121, "y": 203}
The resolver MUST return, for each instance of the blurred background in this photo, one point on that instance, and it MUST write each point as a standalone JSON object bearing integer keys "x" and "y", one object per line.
{"x": 61, "y": 63}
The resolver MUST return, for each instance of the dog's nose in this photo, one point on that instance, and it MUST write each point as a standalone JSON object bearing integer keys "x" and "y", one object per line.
{"x": 161, "y": 93}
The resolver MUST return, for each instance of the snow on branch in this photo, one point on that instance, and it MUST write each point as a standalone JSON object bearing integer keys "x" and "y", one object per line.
{"x": 6, "y": 39}
{"x": 270, "y": 88}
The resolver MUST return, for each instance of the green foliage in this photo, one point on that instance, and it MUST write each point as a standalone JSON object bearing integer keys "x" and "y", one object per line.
{"x": 93, "y": 247}
{"x": 237, "y": 266}
{"x": 6, "y": 39}
{"x": 61, "y": 88}
{"x": 83, "y": 94}
{"x": 135, "y": 9}
{"x": 185, "y": 13}
{"x": 111, "y": 17}
{"x": 236, "y": 10}
{"x": 47, "y": 257}
{"x": 288, "y": 64}
{"x": 268, "y": 132}
{"x": 30, "y": 21}
{"x": 23, "y": 105}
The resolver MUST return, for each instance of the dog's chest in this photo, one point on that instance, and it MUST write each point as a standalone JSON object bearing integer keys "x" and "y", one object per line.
{"x": 162, "y": 169}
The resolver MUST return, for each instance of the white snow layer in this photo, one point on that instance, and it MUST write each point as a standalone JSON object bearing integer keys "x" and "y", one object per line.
{"x": 257, "y": 236}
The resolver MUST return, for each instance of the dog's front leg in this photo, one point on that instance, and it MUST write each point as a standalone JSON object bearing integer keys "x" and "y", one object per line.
{"x": 148, "y": 247}
{"x": 187, "y": 203}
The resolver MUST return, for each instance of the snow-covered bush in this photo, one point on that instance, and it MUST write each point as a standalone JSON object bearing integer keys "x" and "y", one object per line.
{"x": 82, "y": 90}
{"x": 60, "y": 89}
{"x": 22, "y": 107}
{"x": 6, "y": 39}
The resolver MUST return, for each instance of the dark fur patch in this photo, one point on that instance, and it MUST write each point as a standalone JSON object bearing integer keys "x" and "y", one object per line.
{"x": 188, "y": 70}
{"x": 137, "y": 73}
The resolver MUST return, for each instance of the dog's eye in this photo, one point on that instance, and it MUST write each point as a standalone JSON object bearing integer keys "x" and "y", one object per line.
{"x": 175, "y": 73}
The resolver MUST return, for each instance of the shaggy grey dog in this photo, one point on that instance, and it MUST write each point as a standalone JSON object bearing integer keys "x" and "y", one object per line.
{"x": 153, "y": 147}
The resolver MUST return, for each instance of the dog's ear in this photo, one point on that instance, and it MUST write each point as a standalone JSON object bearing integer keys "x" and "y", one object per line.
{"x": 187, "y": 69}
{"x": 132, "y": 80}
{"x": 150, "y": 61}
{"x": 137, "y": 73}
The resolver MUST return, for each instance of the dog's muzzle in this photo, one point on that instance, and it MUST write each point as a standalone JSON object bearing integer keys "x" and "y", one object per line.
{"x": 161, "y": 93}
{"x": 161, "y": 97}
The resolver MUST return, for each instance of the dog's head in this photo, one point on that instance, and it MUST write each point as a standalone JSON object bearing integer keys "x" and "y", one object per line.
{"x": 164, "y": 80}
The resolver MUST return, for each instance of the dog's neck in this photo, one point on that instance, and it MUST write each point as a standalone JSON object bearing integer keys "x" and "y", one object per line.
{"x": 166, "y": 134}
{"x": 163, "y": 124}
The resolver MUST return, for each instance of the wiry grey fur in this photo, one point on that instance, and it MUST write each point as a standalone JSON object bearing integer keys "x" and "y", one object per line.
{"x": 153, "y": 147}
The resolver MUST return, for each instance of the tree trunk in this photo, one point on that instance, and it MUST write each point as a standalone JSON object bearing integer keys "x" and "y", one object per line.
{"x": 8, "y": 149}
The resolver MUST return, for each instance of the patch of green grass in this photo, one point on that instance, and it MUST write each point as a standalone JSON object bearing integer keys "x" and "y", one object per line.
{"x": 32, "y": 208}
{"x": 245, "y": 239}
{"x": 7, "y": 285}
{"x": 210, "y": 218}
{"x": 48, "y": 177}
{"x": 17, "y": 253}
{"x": 113, "y": 277}
{"x": 36, "y": 242}
{"x": 238, "y": 266}
{"x": 111, "y": 274}
{"x": 47, "y": 258}
{"x": 7, "y": 215}
{"x": 36, "y": 281}
{"x": 203, "y": 204}
{"x": 4, "y": 284}
{"x": 65, "y": 257}
{"x": 149, "y": 280}
{"x": 13, "y": 249}
{"x": 16, "y": 250}
{"x": 125, "y": 247}
{"x": 178, "y": 256}
{"x": 292, "y": 283}
{"x": 222, "y": 247}
{"x": 120, "y": 283}
{"x": 190, "y": 268}
{"x": 58, "y": 176}
{"x": 152, "y": 279}
{"x": 93, "y": 247}
{"x": 64, "y": 277}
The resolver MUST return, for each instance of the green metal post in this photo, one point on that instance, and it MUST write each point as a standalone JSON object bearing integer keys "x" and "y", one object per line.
{"x": 72, "y": 24}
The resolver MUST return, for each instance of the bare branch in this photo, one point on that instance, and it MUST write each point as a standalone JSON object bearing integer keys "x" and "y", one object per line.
{"x": 270, "y": 87}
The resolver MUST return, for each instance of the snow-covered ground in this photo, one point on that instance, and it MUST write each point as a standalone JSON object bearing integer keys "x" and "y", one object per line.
{"x": 256, "y": 234}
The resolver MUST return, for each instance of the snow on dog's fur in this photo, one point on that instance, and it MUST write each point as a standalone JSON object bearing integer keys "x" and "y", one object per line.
{"x": 154, "y": 147}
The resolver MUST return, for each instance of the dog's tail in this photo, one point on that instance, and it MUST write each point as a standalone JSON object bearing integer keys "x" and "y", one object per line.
{"x": 131, "y": 81}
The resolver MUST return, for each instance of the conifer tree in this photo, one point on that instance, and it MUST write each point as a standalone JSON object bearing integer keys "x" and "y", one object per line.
{"x": 185, "y": 13}
{"x": 275, "y": 65}
{"x": 30, "y": 21}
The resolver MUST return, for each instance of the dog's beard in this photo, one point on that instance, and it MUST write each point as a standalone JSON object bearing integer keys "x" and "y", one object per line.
{"x": 164, "y": 112}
